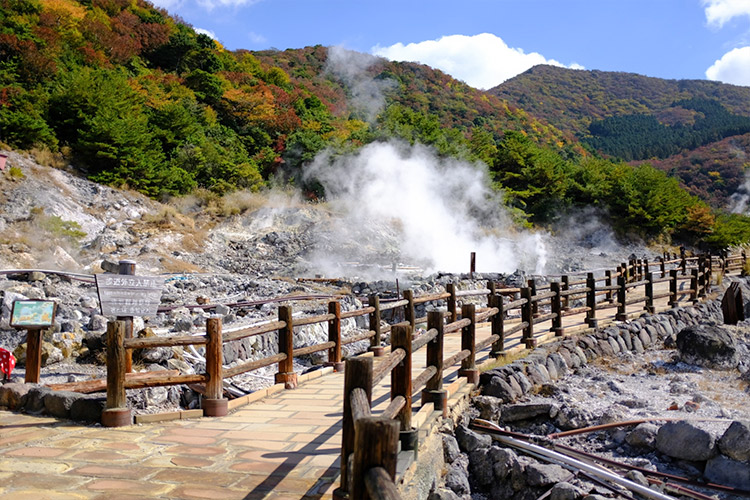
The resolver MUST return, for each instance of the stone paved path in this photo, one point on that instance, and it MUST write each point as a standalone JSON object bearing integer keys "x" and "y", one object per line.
{"x": 285, "y": 446}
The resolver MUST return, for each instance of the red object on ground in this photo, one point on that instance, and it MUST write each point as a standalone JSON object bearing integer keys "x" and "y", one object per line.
{"x": 7, "y": 362}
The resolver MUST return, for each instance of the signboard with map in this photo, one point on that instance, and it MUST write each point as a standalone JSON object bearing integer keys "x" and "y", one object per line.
{"x": 129, "y": 295}
{"x": 33, "y": 313}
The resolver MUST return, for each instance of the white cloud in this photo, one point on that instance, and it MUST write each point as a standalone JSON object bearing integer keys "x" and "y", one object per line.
{"x": 733, "y": 67}
{"x": 256, "y": 38}
{"x": 483, "y": 61}
{"x": 206, "y": 32}
{"x": 720, "y": 12}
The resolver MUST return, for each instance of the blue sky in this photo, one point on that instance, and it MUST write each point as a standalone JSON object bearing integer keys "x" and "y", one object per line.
{"x": 484, "y": 42}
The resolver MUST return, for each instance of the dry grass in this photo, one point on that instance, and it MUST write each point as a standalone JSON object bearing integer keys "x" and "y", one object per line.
{"x": 44, "y": 156}
{"x": 168, "y": 217}
{"x": 173, "y": 265}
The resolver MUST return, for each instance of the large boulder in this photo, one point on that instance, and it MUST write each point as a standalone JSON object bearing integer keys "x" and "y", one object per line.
{"x": 685, "y": 441}
{"x": 708, "y": 345}
{"x": 735, "y": 443}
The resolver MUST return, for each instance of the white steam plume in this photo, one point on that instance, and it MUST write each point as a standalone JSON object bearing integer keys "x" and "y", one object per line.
{"x": 398, "y": 202}
{"x": 352, "y": 68}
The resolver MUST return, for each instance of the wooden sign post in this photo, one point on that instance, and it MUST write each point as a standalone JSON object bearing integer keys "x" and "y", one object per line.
{"x": 34, "y": 316}
{"x": 125, "y": 295}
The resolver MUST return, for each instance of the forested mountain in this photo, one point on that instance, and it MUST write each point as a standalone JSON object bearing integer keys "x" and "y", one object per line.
{"x": 133, "y": 97}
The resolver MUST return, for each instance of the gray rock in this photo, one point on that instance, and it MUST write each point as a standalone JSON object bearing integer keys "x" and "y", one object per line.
{"x": 499, "y": 388}
{"x": 489, "y": 407}
{"x": 58, "y": 403}
{"x": 638, "y": 345}
{"x": 637, "y": 477}
{"x": 456, "y": 481}
{"x": 33, "y": 401}
{"x": 443, "y": 494}
{"x": 538, "y": 374}
{"x": 572, "y": 417}
{"x": 735, "y": 442}
{"x": 685, "y": 441}
{"x": 97, "y": 323}
{"x": 643, "y": 436}
{"x": 480, "y": 465}
{"x": 469, "y": 440}
{"x": 564, "y": 491}
{"x": 525, "y": 411}
{"x": 708, "y": 345}
{"x": 11, "y": 394}
{"x": 551, "y": 369}
{"x": 728, "y": 472}
{"x": 503, "y": 461}
{"x": 545, "y": 474}
{"x": 450, "y": 448}
{"x": 523, "y": 382}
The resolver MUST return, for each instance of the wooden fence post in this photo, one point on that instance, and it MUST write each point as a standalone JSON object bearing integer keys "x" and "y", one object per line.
{"x": 452, "y": 302}
{"x": 334, "y": 335}
{"x": 646, "y": 269}
{"x": 534, "y": 305}
{"x": 433, "y": 391}
{"x": 649, "y": 306}
{"x": 622, "y": 295}
{"x": 127, "y": 267}
{"x": 526, "y": 316}
{"x": 214, "y": 404}
{"x": 409, "y": 308}
{"x": 663, "y": 267}
{"x": 591, "y": 301}
{"x": 358, "y": 374}
{"x": 116, "y": 413}
{"x": 694, "y": 286}
{"x": 33, "y": 355}
{"x": 498, "y": 326}
{"x": 556, "y": 307}
{"x": 286, "y": 373}
{"x": 683, "y": 261}
{"x": 608, "y": 284}
{"x": 375, "y": 445}
{"x": 468, "y": 341}
{"x": 673, "y": 301}
{"x": 472, "y": 265}
{"x": 624, "y": 271}
{"x": 702, "y": 276}
{"x": 375, "y": 347}
{"x": 565, "y": 287}
{"x": 401, "y": 385}
{"x": 491, "y": 285}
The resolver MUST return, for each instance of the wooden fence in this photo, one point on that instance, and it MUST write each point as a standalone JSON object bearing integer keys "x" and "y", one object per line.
{"x": 507, "y": 310}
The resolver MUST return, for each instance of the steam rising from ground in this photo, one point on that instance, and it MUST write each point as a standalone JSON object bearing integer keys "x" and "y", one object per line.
{"x": 366, "y": 93}
{"x": 406, "y": 205}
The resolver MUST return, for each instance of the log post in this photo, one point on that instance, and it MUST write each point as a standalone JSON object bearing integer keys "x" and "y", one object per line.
{"x": 683, "y": 261}
{"x": 357, "y": 374}
{"x": 498, "y": 326}
{"x": 534, "y": 305}
{"x": 286, "y": 373}
{"x": 375, "y": 340}
{"x": 527, "y": 317}
{"x": 624, "y": 270}
{"x": 433, "y": 391}
{"x": 375, "y": 445}
{"x": 591, "y": 301}
{"x": 127, "y": 267}
{"x": 694, "y": 286}
{"x": 649, "y": 306}
{"x": 622, "y": 293}
{"x": 401, "y": 384}
{"x": 557, "y": 328}
{"x": 565, "y": 287}
{"x": 702, "y": 276}
{"x": 116, "y": 413}
{"x": 468, "y": 341}
{"x": 334, "y": 335}
{"x": 452, "y": 302}
{"x": 472, "y": 265}
{"x": 214, "y": 404}
{"x": 639, "y": 269}
{"x": 646, "y": 269}
{"x": 493, "y": 290}
{"x": 409, "y": 309}
{"x": 608, "y": 284}
{"x": 673, "y": 301}
{"x": 33, "y": 355}
{"x": 663, "y": 267}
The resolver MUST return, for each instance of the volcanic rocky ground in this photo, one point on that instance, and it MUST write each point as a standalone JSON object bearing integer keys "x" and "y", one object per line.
{"x": 249, "y": 248}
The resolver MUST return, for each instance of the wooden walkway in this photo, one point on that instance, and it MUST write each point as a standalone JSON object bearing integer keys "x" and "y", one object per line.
{"x": 283, "y": 446}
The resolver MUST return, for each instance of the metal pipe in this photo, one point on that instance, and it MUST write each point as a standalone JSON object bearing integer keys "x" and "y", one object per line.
{"x": 600, "y": 472}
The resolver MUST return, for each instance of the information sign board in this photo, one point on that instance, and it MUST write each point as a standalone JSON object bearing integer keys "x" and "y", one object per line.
{"x": 33, "y": 313}
{"x": 129, "y": 295}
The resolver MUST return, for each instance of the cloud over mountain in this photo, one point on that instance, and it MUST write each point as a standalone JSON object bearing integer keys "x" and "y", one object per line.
{"x": 482, "y": 61}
